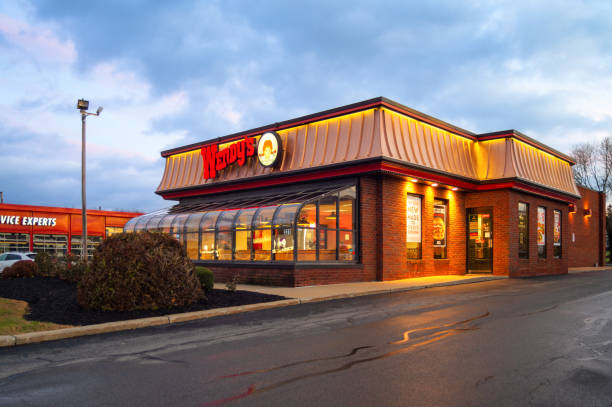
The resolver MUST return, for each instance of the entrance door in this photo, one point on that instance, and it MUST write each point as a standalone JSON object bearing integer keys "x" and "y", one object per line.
{"x": 480, "y": 240}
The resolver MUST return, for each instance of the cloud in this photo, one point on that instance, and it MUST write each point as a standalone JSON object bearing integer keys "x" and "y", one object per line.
{"x": 170, "y": 74}
{"x": 37, "y": 42}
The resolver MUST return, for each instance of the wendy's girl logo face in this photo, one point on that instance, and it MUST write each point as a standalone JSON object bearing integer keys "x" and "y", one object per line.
{"x": 269, "y": 149}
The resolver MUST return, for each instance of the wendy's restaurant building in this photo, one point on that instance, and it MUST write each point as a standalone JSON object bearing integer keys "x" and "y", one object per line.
{"x": 376, "y": 191}
{"x": 56, "y": 231}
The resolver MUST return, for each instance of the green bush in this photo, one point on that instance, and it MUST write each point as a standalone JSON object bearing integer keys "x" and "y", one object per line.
{"x": 21, "y": 269}
{"x": 71, "y": 268}
{"x": 206, "y": 277}
{"x": 133, "y": 271}
{"x": 47, "y": 265}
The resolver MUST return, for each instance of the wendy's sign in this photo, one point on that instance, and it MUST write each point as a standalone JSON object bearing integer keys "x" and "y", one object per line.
{"x": 216, "y": 160}
{"x": 268, "y": 151}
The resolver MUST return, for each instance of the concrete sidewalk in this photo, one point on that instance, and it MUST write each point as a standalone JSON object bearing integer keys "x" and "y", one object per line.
{"x": 573, "y": 270}
{"x": 334, "y": 291}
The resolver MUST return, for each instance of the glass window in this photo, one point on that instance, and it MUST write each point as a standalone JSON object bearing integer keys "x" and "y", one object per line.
{"x": 129, "y": 225}
{"x": 285, "y": 216}
{"x": 346, "y": 249}
{"x": 263, "y": 218}
{"x": 191, "y": 244}
{"x": 283, "y": 244}
{"x": 165, "y": 223}
{"x": 323, "y": 230}
{"x": 207, "y": 238}
{"x": 348, "y": 197}
{"x": 153, "y": 222}
{"x": 56, "y": 245}
{"x": 308, "y": 216}
{"x": 225, "y": 223}
{"x": 413, "y": 227}
{"x": 192, "y": 225}
{"x": 244, "y": 236}
{"x": 541, "y": 242}
{"x": 76, "y": 245}
{"x": 110, "y": 230}
{"x": 557, "y": 234}
{"x": 14, "y": 242}
{"x": 327, "y": 244}
{"x": 207, "y": 246}
{"x": 245, "y": 218}
{"x": 307, "y": 244}
{"x": 209, "y": 221}
{"x": 523, "y": 225}
{"x": 262, "y": 244}
{"x": 439, "y": 228}
{"x": 177, "y": 228}
{"x": 141, "y": 223}
{"x": 327, "y": 212}
{"x": 226, "y": 219}
{"x": 244, "y": 245}
{"x": 224, "y": 245}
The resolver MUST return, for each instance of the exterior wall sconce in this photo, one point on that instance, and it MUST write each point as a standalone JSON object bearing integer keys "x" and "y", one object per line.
{"x": 587, "y": 212}
{"x": 572, "y": 208}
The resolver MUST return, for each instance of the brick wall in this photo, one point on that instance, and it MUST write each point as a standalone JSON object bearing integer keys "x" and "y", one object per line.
{"x": 382, "y": 240}
{"x": 535, "y": 266}
{"x": 588, "y": 246}
{"x": 393, "y": 262}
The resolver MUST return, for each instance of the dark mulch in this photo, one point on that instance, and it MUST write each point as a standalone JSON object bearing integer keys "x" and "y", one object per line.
{"x": 54, "y": 300}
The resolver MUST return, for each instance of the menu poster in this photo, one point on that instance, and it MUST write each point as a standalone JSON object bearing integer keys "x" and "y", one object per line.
{"x": 413, "y": 219}
{"x": 557, "y": 229}
{"x": 439, "y": 225}
{"x": 541, "y": 226}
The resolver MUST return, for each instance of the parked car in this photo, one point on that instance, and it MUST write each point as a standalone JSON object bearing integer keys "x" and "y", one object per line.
{"x": 9, "y": 258}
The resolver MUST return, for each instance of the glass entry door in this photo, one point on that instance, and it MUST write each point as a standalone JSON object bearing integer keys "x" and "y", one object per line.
{"x": 480, "y": 240}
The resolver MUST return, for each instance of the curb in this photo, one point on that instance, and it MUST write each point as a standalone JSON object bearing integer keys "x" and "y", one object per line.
{"x": 65, "y": 333}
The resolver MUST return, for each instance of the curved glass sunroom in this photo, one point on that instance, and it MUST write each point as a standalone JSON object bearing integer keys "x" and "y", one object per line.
{"x": 318, "y": 229}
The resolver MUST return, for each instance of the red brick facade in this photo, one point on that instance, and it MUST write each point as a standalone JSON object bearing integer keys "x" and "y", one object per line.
{"x": 586, "y": 232}
{"x": 382, "y": 243}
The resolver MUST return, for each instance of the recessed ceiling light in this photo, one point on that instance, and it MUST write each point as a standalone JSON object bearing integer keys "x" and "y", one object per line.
{"x": 435, "y": 184}
{"x": 414, "y": 180}
{"x": 455, "y": 189}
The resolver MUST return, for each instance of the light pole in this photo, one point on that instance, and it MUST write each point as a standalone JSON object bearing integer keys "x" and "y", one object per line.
{"x": 83, "y": 105}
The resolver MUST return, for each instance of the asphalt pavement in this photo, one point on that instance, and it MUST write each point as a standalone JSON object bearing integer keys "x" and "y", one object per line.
{"x": 517, "y": 342}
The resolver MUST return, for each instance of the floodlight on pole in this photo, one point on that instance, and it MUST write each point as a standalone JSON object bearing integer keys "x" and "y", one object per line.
{"x": 82, "y": 106}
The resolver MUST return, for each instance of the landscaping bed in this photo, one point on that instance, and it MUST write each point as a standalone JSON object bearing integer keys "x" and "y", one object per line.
{"x": 54, "y": 300}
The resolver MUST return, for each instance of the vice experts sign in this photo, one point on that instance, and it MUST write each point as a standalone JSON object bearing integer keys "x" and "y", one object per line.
{"x": 27, "y": 220}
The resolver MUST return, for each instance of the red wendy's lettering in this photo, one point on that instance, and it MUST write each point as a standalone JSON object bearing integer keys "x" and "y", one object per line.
{"x": 216, "y": 160}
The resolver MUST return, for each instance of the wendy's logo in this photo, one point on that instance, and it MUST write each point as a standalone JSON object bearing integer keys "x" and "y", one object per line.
{"x": 269, "y": 149}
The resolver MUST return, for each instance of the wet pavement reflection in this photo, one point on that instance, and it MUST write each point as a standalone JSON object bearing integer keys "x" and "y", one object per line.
{"x": 411, "y": 339}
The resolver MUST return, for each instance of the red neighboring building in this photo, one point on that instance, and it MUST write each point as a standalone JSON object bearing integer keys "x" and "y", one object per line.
{"x": 55, "y": 230}
{"x": 376, "y": 191}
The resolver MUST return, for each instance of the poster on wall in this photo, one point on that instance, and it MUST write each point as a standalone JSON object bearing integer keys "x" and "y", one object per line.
{"x": 557, "y": 229}
{"x": 541, "y": 226}
{"x": 413, "y": 219}
{"x": 439, "y": 226}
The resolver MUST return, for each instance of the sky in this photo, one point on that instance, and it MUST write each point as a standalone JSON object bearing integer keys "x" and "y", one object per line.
{"x": 174, "y": 73}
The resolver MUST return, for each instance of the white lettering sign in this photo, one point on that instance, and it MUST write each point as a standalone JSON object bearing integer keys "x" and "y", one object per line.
{"x": 27, "y": 221}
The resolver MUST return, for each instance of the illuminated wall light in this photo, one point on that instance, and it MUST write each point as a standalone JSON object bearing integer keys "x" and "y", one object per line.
{"x": 587, "y": 212}
{"x": 572, "y": 208}
{"x": 435, "y": 184}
